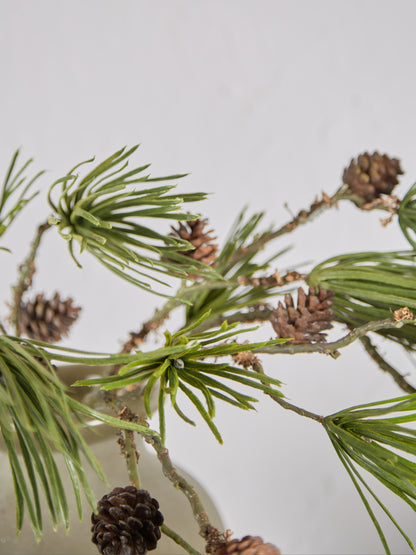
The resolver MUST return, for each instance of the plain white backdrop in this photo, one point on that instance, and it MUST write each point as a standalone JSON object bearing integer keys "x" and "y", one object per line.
{"x": 264, "y": 103}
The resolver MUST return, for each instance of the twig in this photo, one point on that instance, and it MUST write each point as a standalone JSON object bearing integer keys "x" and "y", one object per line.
{"x": 3, "y": 329}
{"x": 181, "y": 483}
{"x": 303, "y": 217}
{"x": 26, "y": 272}
{"x": 332, "y": 348}
{"x": 159, "y": 316}
{"x": 257, "y": 366}
{"x": 385, "y": 366}
{"x": 128, "y": 447}
{"x": 179, "y": 540}
{"x": 168, "y": 469}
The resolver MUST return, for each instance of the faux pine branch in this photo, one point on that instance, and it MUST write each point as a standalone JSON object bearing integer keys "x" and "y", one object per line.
{"x": 225, "y": 290}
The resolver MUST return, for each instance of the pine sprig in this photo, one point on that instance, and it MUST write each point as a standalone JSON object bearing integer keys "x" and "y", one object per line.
{"x": 37, "y": 419}
{"x": 186, "y": 366}
{"x": 15, "y": 191}
{"x": 105, "y": 213}
{"x": 371, "y": 286}
{"x": 372, "y": 437}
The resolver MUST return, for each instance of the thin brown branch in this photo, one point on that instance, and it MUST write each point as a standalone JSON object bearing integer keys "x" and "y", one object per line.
{"x": 181, "y": 483}
{"x": 385, "y": 366}
{"x": 128, "y": 447}
{"x": 257, "y": 367}
{"x": 332, "y": 348}
{"x": 302, "y": 217}
{"x": 179, "y": 540}
{"x": 26, "y": 272}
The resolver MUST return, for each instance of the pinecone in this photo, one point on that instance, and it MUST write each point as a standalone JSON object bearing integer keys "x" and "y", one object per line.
{"x": 249, "y": 545}
{"x": 194, "y": 231}
{"x": 47, "y": 320}
{"x": 304, "y": 323}
{"x": 372, "y": 175}
{"x": 127, "y": 522}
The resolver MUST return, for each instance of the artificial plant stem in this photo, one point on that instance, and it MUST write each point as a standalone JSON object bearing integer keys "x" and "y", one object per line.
{"x": 257, "y": 366}
{"x": 26, "y": 271}
{"x": 181, "y": 483}
{"x": 298, "y": 410}
{"x": 157, "y": 319}
{"x": 302, "y": 217}
{"x": 385, "y": 366}
{"x": 179, "y": 540}
{"x": 333, "y": 348}
{"x": 132, "y": 458}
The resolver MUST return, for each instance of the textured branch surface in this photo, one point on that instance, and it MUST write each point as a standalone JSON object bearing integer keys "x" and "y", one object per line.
{"x": 333, "y": 347}
{"x": 26, "y": 273}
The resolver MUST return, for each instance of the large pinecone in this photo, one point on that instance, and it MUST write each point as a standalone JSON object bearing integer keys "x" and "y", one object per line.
{"x": 372, "y": 175}
{"x": 312, "y": 315}
{"x": 127, "y": 522}
{"x": 194, "y": 231}
{"x": 47, "y": 320}
{"x": 249, "y": 545}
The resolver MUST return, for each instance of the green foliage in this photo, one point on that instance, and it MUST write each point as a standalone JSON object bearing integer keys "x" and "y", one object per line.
{"x": 369, "y": 286}
{"x": 106, "y": 215}
{"x": 407, "y": 216}
{"x": 181, "y": 366}
{"x": 35, "y": 419}
{"x": 38, "y": 419}
{"x": 372, "y": 437}
{"x": 235, "y": 262}
{"x": 14, "y": 193}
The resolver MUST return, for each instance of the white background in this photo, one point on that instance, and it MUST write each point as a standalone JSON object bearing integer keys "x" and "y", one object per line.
{"x": 264, "y": 103}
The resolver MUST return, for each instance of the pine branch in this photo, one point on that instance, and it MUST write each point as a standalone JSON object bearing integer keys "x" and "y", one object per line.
{"x": 332, "y": 348}
{"x": 106, "y": 215}
{"x": 181, "y": 483}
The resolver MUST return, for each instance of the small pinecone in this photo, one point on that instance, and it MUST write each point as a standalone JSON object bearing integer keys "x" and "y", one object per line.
{"x": 47, "y": 320}
{"x": 194, "y": 231}
{"x": 249, "y": 545}
{"x": 304, "y": 323}
{"x": 372, "y": 175}
{"x": 127, "y": 522}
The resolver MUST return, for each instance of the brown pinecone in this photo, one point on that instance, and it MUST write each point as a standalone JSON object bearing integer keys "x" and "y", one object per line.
{"x": 47, "y": 320}
{"x": 372, "y": 175}
{"x": 194, "y": 231}
{"x": 127, "y": 522}
{"x": 312, "y": 315}
{"x": 249, "y": 545}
